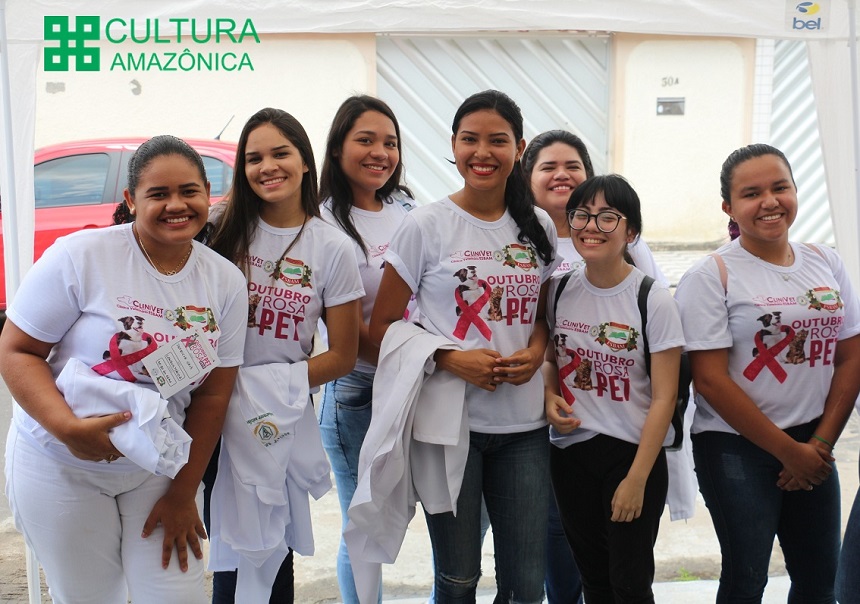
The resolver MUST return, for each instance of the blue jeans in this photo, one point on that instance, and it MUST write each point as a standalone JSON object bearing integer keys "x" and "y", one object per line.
{"x": 562, "y": 582}
{"x": 344, "y": 418}
{"x": 738, "y": 481}
{"x": 511, "y": 471}
{"x": 848, "y": 575}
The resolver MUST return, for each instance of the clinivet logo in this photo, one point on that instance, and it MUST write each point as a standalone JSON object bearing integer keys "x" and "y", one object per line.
{"x": 75, "y": 47}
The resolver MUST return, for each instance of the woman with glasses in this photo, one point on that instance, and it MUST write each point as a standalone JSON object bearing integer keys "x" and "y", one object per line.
{"x": 609, "y": 406}
{"x": 556, "y": 162}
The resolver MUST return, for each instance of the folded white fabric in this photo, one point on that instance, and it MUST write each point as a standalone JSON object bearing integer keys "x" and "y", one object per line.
{"x": 415, "y": 449}
{"x": 151, "y": 439}
{"x": 271, "y": 459}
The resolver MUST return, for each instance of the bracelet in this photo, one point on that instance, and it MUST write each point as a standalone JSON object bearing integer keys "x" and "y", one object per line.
{"x": 825, "y": 441}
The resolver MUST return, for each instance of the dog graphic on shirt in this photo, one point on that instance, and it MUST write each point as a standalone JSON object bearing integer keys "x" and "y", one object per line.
{"x": 771, "y": 330}
{"x": 129, "y": 340}
{"x": 469, "y": 288}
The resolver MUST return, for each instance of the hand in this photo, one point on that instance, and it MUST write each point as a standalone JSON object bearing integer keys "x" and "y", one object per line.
{"x": 89, "y": 438}
{"x": 519, "y": 367}
{"x": 473, "y": 366}
{"x": 806, "y": 465}
{"x": 559, "y": 414}
{"x": 789, "y": 482}
{"x": 182, "y": 528}
{"x": 627, "y": 500}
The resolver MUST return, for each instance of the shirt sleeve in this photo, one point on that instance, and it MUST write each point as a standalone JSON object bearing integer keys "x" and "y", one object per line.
{"x": 234, "y": 323}
{"x": 851, "y": 325}
{"x": 47, "y": 303}
{"x": 406, "y": 252}
{"x": 345, "y": 283}
{"x": 702, "y": 304}
{"x": 664, "y": 321}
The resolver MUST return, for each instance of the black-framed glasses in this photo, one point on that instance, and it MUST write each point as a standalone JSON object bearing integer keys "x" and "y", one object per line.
{"x": 605, "y": 220}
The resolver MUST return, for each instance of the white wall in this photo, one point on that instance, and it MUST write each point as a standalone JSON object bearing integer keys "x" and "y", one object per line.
{"x": 306, "y": 75}
{"x": 673, "y": 161}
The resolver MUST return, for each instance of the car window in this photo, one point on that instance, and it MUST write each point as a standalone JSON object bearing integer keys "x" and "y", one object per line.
{"x": 219, "y": 174}
{"x": 71, "y": 181}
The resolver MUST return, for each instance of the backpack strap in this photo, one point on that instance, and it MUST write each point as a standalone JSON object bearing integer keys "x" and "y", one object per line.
{"x": 721, "y": 266}
{"x": 561, "y": 285}
{"x": 815, "y": 249}
{"x": 642, "y": 301}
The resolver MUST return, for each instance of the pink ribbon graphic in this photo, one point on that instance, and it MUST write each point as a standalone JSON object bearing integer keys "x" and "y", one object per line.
{"x": 469, "y": 313}
{"x": 121, "y": 362}
{"x": 766, "y": 357}
{"x": 565, "y": 371}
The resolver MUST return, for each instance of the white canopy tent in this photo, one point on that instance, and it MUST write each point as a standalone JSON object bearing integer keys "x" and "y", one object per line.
{"x": 831, "y": 52}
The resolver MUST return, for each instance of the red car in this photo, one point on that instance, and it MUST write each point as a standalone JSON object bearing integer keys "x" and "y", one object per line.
{"x": 78, "y": 185}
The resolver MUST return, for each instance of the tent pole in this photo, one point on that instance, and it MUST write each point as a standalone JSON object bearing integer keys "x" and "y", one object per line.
{"x": 855, "y": 101}
{"x": 9, "y": 203}
{"x": 10, "y": 239}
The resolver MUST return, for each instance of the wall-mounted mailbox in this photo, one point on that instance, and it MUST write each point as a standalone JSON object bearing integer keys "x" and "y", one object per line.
{"x": 670, "y": 105}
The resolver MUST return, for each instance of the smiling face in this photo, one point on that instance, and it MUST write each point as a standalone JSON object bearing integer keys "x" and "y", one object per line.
{"x": 274, "y": 167}
{"x": 485, "y": 150}
{"x": 557, "y": 171}
{"x": 763, "y": 201}
{"x": 593, "y": 244}
{"x": 170, "y": 203}
{"x": 369, "y": 154}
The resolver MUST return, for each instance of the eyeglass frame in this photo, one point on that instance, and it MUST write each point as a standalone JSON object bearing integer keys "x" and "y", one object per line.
{"x": 619, "y": 217}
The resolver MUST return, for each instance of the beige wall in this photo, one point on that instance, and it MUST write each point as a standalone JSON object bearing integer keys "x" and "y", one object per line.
{"x": 307, "y": 75}
{"x": 673, "y": 161}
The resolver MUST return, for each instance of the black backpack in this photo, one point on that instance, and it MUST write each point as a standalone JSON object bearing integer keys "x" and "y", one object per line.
{"x": 685, "y": 375}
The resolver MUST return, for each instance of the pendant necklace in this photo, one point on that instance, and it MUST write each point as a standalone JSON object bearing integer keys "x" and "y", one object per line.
{"x": 157, "y": 266}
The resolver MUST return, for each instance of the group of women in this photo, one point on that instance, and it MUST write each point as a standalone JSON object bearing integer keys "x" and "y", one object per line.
{"x": 536, "y": 274}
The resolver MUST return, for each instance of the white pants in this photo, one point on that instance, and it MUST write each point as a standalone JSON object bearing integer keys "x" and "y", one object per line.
{"x": 84, "y": 527}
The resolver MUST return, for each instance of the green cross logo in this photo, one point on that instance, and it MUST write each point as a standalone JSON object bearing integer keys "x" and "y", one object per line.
{"x": 72, "y": 43}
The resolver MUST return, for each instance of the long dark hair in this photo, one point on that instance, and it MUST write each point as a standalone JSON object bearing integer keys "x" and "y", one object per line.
{"x": 334, "y": 184}
{"x": 235, "y": 231}
{"x": 519, "y": 199}
{"x": 741, "y": 155}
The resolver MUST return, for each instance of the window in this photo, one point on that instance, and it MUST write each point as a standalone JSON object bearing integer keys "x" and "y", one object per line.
{"x": 219, "y": 174}
{"x": 71, "y": 181}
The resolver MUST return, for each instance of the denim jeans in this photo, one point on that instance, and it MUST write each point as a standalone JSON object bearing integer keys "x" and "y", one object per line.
{"x": 511, "y": 471}
{"x": 738, "y": 482}
{"x": 848, "y": 575}
{"x": 562, "y": 582}
{"x": 344, "y": 418}
{"x": 616, "y": 559}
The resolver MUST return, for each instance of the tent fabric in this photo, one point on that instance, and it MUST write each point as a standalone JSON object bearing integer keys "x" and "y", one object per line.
{"x": 829, "y": 57}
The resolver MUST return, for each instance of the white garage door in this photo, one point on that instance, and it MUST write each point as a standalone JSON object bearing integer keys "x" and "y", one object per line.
{"x": 558, "y": 82}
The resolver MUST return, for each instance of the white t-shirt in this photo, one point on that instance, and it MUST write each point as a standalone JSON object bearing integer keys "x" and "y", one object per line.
{"x": 780, "y": 324}
{"x": 96, "y": 296}
{"x": 284, "y": 305}
{"x": 597, "y": 337}
{"x": 642, "y": 256}
{"x": 376, "y": 228}
{"x": 477, "y": 285}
